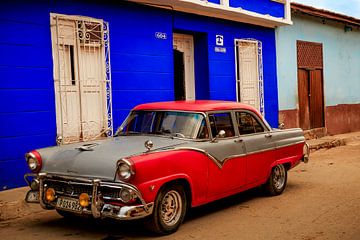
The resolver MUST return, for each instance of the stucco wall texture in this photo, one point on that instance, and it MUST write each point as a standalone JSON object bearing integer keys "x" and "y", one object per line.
{"x": 341, "y": 58}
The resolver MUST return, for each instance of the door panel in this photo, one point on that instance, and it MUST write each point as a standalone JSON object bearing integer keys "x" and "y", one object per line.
{"x": 248, "y": 82}
{"x": 82, "y": 78}
{"x": 260, "y": 152}
{"x": 66, "y": 84}
{"x": 303, "y": 90}
{"x": 92, "y": 87}
{"x": 231, "y": 175}
{"x": 310, "y": 84}
{"x": 316, "y": 107}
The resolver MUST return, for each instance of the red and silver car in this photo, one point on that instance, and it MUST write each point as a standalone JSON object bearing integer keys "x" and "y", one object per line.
{"x": 165, "y": 158}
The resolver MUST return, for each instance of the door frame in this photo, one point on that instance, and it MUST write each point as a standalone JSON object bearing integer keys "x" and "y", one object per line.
{"x": 105, "y": 69}
{"x": 190, "y": 93}
{"x": 309, "y": 69}
{"x": 260, "y": 71}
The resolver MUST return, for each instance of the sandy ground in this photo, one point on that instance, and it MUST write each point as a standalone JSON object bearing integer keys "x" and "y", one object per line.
{"x": 322, "y": 201}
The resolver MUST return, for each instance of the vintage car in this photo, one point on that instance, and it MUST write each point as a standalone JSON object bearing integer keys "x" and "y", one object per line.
{"x": 165, "y": 158}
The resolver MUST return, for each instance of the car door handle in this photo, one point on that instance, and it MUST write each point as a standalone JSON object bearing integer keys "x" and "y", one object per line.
{"x": 268, "y": 135}
{"x": 238, "y": 140}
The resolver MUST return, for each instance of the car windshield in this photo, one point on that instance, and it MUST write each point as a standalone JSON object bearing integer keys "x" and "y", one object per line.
{"x": 176, "y": 124}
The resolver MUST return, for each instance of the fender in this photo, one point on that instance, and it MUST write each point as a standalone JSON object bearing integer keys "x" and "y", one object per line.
{"x": 292, "y": 161}
{"x": 151, "y": 188}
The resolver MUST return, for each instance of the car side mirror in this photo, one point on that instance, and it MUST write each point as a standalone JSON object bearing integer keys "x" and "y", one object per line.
{"x": 221, "y": 134}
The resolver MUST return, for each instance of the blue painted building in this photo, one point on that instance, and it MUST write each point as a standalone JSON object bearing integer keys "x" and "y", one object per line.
{"x": 71, "y": 70}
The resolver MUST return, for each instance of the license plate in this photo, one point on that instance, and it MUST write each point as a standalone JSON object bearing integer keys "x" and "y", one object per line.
{"x": 32, "y": 197}
{"x": 68, "y": 204}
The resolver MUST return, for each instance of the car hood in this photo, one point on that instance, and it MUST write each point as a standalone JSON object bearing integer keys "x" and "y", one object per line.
{"x": 97, "y": 159}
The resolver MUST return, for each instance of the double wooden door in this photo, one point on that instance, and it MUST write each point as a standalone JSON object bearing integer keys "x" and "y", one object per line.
{"x": 310, "y": 85}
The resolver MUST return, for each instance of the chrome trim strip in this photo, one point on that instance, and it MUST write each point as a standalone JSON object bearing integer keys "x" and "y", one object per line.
{"x": 214, "y": 159}
{"x": 290, "y": 144}
{"x": 221, "y": 162}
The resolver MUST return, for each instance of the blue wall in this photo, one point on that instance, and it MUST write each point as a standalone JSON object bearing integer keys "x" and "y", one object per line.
{"x": 272, "y": 8}
{"x": 142, "y": 67}
{"x": 222, "y": 65}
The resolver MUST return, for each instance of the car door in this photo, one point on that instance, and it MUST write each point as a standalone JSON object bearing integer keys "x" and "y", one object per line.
{"x": 259, "y": 146}
{"x": 227, "y": 168}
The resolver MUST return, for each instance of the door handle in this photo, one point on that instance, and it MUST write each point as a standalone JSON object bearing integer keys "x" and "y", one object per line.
{"x": 239, "y": 140}
{"x": 268, "y": 135}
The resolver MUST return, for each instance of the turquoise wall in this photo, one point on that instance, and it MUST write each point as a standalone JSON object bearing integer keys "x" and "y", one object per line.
{"x": 341, "y": 52}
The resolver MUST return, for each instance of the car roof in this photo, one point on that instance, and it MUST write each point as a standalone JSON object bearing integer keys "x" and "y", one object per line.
{"x": 196, "y": 106}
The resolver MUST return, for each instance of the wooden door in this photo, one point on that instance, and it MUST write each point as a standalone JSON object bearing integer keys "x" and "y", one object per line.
{"x": 248, "y": 76}
{"x": 303, "y": 88}
{"x": 316, "y": 103}
{"x": 82, "y": 78}
{"x": 310, "y": 85}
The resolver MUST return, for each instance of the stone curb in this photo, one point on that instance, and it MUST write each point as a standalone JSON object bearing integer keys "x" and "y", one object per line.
{"x": 333, "y": 141}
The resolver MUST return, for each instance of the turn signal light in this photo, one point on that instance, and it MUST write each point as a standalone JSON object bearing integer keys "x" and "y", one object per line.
{"x": 84, "y": 199}
{"x": 50, "y": 195}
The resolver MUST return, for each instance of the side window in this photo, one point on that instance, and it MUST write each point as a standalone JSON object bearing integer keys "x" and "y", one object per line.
{"x": 248, "y": 124}
{"x": 221, "y": 121}
{"x": 203, "y": 131}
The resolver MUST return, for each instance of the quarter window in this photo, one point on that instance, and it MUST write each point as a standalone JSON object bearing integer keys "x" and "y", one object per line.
{"x": 248, "y": 124}
{"x": 221, "y": 121}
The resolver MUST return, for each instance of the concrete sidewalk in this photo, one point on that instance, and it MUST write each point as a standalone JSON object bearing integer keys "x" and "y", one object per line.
{"x": 13, "y": 205}
{"x": 334, "y": 141}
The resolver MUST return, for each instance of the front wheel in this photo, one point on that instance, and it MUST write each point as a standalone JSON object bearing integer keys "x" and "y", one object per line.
{"x": 169, "y": 211}
{"x": 277, "y": 181}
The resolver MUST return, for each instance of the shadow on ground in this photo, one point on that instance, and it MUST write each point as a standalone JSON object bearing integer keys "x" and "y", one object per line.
{"x": 115, "y": 230}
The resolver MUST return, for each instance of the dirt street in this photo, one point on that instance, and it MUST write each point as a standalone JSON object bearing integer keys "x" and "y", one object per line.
{"x": 322, "y": 201}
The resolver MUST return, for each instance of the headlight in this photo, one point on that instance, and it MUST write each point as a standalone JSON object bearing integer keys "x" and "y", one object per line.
{"x": 126, "y": 195}
{"x": 125, "y": 170}
{"x": 34, "y": 161}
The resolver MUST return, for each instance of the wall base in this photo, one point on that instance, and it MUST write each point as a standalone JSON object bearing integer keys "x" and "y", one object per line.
{"x": 342, "y": 118}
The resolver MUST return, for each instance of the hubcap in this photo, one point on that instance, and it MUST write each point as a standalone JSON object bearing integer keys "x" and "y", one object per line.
{"x": 279, "y": 176}
{"x": 171, "y": 207}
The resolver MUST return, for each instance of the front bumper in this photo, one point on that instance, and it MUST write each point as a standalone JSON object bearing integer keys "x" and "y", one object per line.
{"x": 102, "y": 205}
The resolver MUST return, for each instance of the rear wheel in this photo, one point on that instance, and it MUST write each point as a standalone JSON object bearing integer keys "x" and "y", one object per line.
{"x": 277, "y": 181}
{"x": 169, "y": 210}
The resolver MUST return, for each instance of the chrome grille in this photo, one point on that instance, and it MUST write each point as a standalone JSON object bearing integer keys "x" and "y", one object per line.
{"x": 76, "y": 188}
{"x": 69, "y": 188}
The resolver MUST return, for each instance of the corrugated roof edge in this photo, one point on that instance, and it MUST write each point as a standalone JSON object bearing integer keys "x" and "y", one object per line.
{"x": 297, "y": 7}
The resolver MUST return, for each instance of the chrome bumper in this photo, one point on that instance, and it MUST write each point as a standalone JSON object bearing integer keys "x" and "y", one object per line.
{"x": 98, "y": 208}
{"x": 306, "y": 156}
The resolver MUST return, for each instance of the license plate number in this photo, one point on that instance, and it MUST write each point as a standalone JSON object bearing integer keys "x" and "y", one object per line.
{"x": 68, "y": 204}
